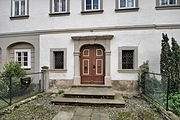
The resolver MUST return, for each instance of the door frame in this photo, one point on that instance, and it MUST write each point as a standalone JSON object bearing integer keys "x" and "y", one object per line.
{"x": 80, "y": 41}
{"x": 93, "y": 76}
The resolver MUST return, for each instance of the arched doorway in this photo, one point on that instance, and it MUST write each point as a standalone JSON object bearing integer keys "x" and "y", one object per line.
{"x": 92, "y": 64}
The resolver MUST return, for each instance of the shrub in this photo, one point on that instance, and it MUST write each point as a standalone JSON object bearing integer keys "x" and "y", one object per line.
{"x": 174, "y": 103}
{"x": 61, "y": 91}
{"x": 141, "y": 76}
{"x": 13, "y": 70}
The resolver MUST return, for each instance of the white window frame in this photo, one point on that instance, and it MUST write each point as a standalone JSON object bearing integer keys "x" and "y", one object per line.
{"x": 126, "y": 4}
{"x": 60, "y": 10}
{"x": 13, "y": 7}
{"x": 29, "y": 57}
{"x": 99, "y": 7}
{"x": 160, "y": 2}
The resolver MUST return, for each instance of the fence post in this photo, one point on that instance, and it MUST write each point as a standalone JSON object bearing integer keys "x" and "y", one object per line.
{"x": 167, "y": 92}
{"x": 10, "y": 90}
{"x": 45, "y": 71}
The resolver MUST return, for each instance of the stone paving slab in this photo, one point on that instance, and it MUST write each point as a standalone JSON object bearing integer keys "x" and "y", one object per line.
{"x": 64, "y": 116}
{"x": 82, "y": 113}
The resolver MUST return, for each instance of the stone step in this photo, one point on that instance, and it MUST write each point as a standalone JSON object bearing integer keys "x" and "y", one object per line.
{"x": 91, "y": 85}
{"x": 104, "y": 93}
{"x": 60, "y": 100}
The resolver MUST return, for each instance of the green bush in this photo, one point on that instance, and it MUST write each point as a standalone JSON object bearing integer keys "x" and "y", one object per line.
{"x": 61, "y": 91}
{"x": 13, "y": 70}
{"x": 174, "y": 103}
{"x": 142, "y": 74}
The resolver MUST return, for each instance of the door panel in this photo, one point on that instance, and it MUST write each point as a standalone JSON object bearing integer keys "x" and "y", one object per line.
{"x": 92, "y": 64}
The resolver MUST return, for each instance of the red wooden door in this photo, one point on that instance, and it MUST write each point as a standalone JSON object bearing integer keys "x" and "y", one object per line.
{"x": 92, "y": 65}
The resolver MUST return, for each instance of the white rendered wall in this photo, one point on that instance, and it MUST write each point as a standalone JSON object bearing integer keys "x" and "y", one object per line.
{"x": 40, "y": 20}
{"x": 148, "y": 42}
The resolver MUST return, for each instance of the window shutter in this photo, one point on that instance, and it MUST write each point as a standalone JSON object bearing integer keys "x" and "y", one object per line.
{"x": 137, "y": 3}
{"x": 117, "y": 4}
{"x": 82, "y": 4}
{"x": 68, "y": 5}
{"x": 101, "y": 4}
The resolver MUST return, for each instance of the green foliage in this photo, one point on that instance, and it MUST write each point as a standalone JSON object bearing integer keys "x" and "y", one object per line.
{"x": 141, "y": 76}
{"x": 6, "y": 111}
{"x": 170, "y": 63}
{"x": 13, "y": 69}
{"x": 175, "y": 67}
{"x": 153, "y": 107}
{"x": 61, "y": 91}
{"x": 40, "y": 95}
{"x": 174, "y": 103}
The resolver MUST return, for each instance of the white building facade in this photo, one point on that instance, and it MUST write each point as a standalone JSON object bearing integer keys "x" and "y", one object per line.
{"x": 87, "y": 41}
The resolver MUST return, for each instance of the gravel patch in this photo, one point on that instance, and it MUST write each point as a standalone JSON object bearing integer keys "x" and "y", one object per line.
{"x": 42, "y": 109}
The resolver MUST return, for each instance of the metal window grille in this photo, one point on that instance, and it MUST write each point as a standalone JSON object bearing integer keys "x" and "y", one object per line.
{"x": 59, "y": 60}
{"x": 127, "y": 59}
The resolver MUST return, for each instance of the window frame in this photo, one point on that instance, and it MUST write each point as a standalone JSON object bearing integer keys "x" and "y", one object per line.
{"x": 135, "y": 59}
{"x": 60, "y": 11}
{"x": 160, "y": 3}
{"x": 13, "y": 8}
{"x": 92, "y": 3}
{"x": 29, "y": 57}
{"x": 119, "y": 5}
{"x": 52, "y": 58}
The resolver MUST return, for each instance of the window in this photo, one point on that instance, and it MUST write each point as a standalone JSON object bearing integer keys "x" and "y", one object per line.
{"x": 128, "y": 59}
{"x": 127, "y": 3}
{"x": 19, "y": 7}
{"x": 58, "y": 57}
{"x": 23, "y": 57}
{"x": 92, "y": 4}
{"x": 168, "y": 2}
{"x": 59, "y": 6}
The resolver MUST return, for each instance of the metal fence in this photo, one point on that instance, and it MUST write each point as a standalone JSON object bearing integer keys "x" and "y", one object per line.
{"x": 157, "y": 88}
{"x": 14, "y": 89}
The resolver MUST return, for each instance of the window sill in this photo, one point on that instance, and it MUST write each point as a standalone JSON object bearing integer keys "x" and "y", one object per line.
{"x": 58, "y": 14}
{"x": 168, "y": 7}
{"x": 92, "y": 11}
{"x": 126, "y": 9}
{"x": 20, "y": 17}
{"x": 27, "y": 68}
{"x": 128, "y": 70}
{"x": 58, "y": 70}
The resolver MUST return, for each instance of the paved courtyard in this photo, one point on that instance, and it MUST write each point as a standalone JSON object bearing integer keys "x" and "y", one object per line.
{"x": 43, "y": 109}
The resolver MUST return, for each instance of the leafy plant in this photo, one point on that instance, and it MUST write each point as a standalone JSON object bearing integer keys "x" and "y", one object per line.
{"x": 40, "y": 95}
{"x": 142, "y": 74}
{"x": 170, "y": 63}
{"x": 61, "y": 91}
{"x": 14, "y": 71}
{"x": 153, "y": 107}
{"x": 174, "y": 103}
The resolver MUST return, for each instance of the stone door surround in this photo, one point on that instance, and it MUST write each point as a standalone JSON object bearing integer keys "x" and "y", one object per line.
{"x": 103, "y": 40}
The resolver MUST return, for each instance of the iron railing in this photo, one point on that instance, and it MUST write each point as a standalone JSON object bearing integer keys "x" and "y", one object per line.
{"x": 14, "y": 89}
{"x": 157, "y": 88}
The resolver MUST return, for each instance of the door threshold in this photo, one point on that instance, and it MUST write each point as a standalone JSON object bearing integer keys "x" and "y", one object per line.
{"x": 92, "y": 85}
